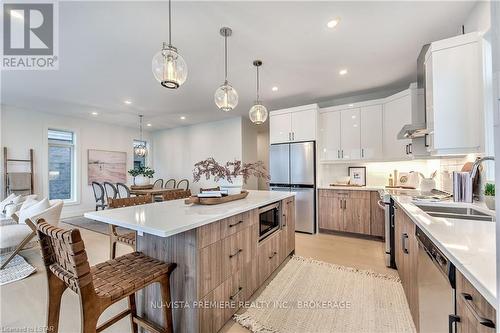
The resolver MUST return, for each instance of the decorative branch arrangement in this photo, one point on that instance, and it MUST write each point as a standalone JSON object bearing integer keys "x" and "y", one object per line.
{"x": 229, "y": 171}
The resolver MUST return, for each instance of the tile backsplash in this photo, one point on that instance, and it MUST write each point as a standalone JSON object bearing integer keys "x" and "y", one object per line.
{"x": 377, "y": 173}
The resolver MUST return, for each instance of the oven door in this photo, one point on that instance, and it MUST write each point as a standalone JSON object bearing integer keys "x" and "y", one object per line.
{"x": 269, "y": 220}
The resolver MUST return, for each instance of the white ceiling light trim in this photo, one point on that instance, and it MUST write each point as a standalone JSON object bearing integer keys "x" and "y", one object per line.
{"x": 169, "y": 67}
{"x": 226, "y": 97}
{"x": 333, "y": 23}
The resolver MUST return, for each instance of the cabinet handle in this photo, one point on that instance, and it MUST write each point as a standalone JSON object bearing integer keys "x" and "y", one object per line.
{"x": 235, "y": 254}
{"x": 406, "y": 148}
{"x": 284, "y": 219}
{"x": 341, "y": 203}
{"x": 425, "y": 140}
{"x": 293, "y": 136}
{"x": 410, "y": 148}
{"x": 467, "y": 298}
{"x": 342, "y": 152}
{"x": 274, "y": 253}
{"x": 338, "y": 153}
{"x": 289, "y": 136}
{"x": 451, "y": 320}
{"x": 345, "y": 203}
{"x": 404, "y": 237}
{"x": 235, "y": 224}
{"x": 232, "y": 297}
{"x": 362, "y": 152}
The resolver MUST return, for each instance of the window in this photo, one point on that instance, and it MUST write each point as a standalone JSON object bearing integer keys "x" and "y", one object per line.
{"x": 139, "y": 161}
{"x": 61, "y": 165}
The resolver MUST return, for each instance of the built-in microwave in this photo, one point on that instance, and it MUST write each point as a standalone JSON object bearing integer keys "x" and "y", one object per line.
{"x": 269, "y": 220}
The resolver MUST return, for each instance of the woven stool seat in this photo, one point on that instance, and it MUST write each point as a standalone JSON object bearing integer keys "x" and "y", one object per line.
{"x": 125, "y": 275}
{"x": 128, "y": 238}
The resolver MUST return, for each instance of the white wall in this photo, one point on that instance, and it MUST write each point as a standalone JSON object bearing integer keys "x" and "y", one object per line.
{"x": 22, "y": 130}
{"x": 249, "y": 142}
{"x": 177, "y": 150}
{"x": 263, "y": 155}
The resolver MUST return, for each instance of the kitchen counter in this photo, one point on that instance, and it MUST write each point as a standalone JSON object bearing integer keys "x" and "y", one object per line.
{"x": 352, "y": 188}
{"x": 469, "y": 245}
{"x": 169, "y": 218}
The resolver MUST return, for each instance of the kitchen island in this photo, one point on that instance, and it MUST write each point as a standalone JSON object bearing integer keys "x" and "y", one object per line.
{"x": 220, "y": 255}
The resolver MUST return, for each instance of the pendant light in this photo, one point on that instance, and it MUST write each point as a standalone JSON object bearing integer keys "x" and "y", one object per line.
{"x": 169, "y": 67}
{"x": 140, "y": 149}
{"x": 226, "y": 97}
{"x": 258, "y": 112}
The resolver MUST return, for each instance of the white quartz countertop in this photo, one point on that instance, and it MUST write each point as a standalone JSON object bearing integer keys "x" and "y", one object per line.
{"x": 469, "y": 245}
{"x": 168, "y": 218}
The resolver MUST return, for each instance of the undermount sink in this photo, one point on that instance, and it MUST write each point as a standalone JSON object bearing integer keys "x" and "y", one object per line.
{"x": 464, "y": 213}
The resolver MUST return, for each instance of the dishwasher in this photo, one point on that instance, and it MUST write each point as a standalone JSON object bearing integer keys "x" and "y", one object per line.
{"x": 436, "y": 288}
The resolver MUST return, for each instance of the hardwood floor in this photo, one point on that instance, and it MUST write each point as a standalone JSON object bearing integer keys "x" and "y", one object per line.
{"x": 23, "y": 303}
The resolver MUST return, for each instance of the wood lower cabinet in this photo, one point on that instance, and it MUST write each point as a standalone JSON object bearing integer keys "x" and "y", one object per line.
{"x": 287, "y": 240}
{"x": 475, "y": 313}
{"x": 345, "y": 211}
{"x": 269, "y": 256}
{"x": 406, "y": 247}
{"x": 377, "y": 216}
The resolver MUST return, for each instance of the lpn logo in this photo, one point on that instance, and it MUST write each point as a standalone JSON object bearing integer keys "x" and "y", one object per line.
{"x": 29, "y": 36}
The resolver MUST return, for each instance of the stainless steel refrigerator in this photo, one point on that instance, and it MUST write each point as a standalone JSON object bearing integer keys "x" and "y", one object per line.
{"x": 293, "y": 169}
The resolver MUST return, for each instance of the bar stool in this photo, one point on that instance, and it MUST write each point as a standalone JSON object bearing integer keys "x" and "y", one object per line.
{"x": 129, "y": 237}
{"x": 99, "y": 286}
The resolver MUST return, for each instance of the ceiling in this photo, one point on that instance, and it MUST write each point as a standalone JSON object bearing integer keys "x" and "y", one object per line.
{"x": 106, "y": 50}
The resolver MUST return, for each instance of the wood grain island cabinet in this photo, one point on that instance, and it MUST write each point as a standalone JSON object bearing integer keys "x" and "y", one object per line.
{"x": 350, "y": 211}
{"x": 218, "y": 263}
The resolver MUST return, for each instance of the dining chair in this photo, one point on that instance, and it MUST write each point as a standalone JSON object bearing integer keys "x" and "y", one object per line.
{"x": 170, "y": 183}
{"x": 111, "y": 191}
{"x": 23, "y": 230}
{"x": 183, "y": 184}
{"x": 123, "y": 190}
{"x": 98, "y": 287}
{"x": 128, "y": 238}
{"x": 158, "y": 183}
{"x": 100, "y": 201}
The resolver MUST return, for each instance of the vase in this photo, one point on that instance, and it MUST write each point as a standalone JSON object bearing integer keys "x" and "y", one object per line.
{"x": 232, "y": 188}
{"x": 141, "y": 180}
{"x": 490, "y": 201}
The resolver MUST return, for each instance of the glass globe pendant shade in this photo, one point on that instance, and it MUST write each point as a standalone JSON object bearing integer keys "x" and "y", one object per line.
{"x": 169, "y": 67}
{"x": 140, "y": 150}
{"x": 226, "y": 97}
{"x": 258, "y": 113}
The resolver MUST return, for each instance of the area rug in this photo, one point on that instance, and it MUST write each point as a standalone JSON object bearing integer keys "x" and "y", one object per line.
{"x": 313, "y": 296}
{"x": 85, "y": 223}
{"x": 17, "y": 269}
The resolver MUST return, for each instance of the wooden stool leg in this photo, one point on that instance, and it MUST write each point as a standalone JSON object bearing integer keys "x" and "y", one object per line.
{"x": 56, "y": 290}
{"x": 133, "y": 313}
{"x": 89, "y": 318}
{"x": 166, "y": 306}
{"x": 112, "y": 242}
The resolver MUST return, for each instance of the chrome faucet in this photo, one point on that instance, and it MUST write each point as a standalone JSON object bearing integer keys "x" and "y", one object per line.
{"x": 5, "y": 207}
{"x": 475, "y": 169}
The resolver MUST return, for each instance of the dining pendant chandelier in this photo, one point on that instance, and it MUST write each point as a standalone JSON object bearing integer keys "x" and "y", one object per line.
{"x": 140, "y": 149}
{"x": 226, "y": 97}
{"x": 169, "y": 67}
{"x": 258, "y": 112}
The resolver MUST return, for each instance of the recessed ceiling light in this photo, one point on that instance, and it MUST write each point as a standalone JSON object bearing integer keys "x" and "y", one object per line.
{"x": 127, "y": 101}
{"x": 149, "y": 125}
{"x": 183, "y": 118}
{"x": 351, "y": 105}
{"x": 274, "y": 88}
{"x": 333, "y": 23}
{"x": 94, "y": 113}
{"x": 343, "y": 71}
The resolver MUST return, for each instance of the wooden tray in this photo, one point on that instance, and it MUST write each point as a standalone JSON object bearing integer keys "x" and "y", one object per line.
{"x": 401, "y": 187}
{"x": 142, "y": 187}
{"x": 215, "y": 201}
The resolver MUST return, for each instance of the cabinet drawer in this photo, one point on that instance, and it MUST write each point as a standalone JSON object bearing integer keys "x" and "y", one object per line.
{"x": 473, "y": 308}
{"x": 269, "y": 256}
{"x": 233, "y": 224}
{"x": 210, "y": 268}
{"x": 236, "y": 251}
{"x": 208, "y": 234}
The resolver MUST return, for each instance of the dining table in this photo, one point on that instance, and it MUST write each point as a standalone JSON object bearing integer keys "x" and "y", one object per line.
{"x": 152, "y": 191}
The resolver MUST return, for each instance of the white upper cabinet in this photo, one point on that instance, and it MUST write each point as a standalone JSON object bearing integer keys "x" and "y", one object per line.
{"x": 280, "y": 128}
{"x": 454, "y": 95}
{"x": 371, "y": 132}
{"x": 350, "y": 134}
{"x": 329, "y": 136}
{"x": 397, "y": 113}
{"x": 294, "y": 124}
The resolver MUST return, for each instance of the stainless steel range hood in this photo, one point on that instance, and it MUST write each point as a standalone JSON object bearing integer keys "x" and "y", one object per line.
{"x": 418, "y": 127}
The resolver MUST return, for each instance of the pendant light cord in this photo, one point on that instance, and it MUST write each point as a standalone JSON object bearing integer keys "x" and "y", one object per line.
{"x": 169, "y": 23}
{"x": 257, "y": 83}
{"x": 140, "y": 122}
{"x": 225, "y": 58}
